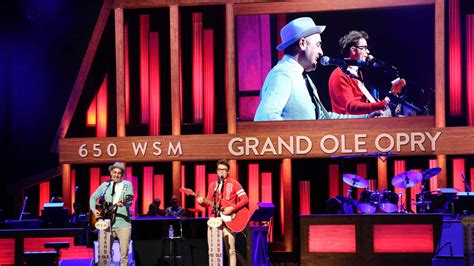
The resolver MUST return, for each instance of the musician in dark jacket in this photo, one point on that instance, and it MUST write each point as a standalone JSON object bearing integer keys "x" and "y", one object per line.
{"x": 117, "y": 191}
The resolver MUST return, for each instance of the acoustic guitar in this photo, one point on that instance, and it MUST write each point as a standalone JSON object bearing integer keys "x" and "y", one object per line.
{"x": 236, "y": 221}
{"x": 107, "y": 211}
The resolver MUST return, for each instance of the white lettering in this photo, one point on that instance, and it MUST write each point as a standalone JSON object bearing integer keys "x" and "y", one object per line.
{"x": 268, "y": 147}
{"x": 343, "y": 145}
{"x": 433, "y": 139}
{"x": 358, "y": 142}
{"x": 299, "y": 144}
{"x": 139, "y": 148}
{"x": 322, "y": 144}
{"x": 174, "y": 150}
{"x": 390, "y": 140}
{"x": 240, "y": 150}
{"x": 289, "y": 147}
{"x": 156, "y": 146}
{"x": 402, "y": 139}
{"x": 418, "y": 142}
{"x": 251, "y": 143}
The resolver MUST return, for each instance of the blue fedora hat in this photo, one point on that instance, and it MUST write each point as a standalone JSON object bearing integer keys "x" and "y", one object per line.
{"x": 297, "y": 29}
{"x": 118, "y": 165}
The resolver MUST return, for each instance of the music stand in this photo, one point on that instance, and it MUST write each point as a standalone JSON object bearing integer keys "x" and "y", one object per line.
{"x": 54, "y": 214}
{"x": 264, "y": 212}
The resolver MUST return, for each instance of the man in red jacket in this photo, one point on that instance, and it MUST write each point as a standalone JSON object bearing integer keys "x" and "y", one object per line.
{"x": 348, "y": 93}
{"x": 230, "y": 190}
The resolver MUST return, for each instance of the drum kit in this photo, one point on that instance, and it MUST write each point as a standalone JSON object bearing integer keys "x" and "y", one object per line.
{"x": 388, "y": 201}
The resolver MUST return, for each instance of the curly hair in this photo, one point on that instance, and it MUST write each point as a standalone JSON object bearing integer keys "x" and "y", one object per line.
{"x": 351, "y": 39}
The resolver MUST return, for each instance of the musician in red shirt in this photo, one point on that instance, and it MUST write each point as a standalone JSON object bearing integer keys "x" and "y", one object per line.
{"x": 230, "y": 190}
{"x": 348, "y": 93}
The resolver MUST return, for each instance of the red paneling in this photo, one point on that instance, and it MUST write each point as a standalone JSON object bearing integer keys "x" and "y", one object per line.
{"x": 92, "y": 113}
{"x": 253, "y": 186}
{"x": 94, "y": 179}
{"x": 470, "y": 68}
{"x": 266, "y": 187}
{"x": 197, "y": 39}
{"x": 126, "y": 63}
{"x": 44, "y": 195}
{"x": 332, "y": 238}
{"x": 455, "y": 65}
{"x": 434, "y": 179}
{"x": 333, "y": 180}
{"x": 200, "y": 183}
{"x": 403, "y": 238}
{"x": 147, "y": 187}
{"x": 305, "y": 197}
{"x": 158, "y": 188}
{"x": 144, "y": 68}
{"x": 102, "y": 102}
{"x": 7, "y": 251}
{"x": 208, "y": 80}
{"x": 458, "y": 169}
{"x": 155, "y": 86}
{"x": 73, "y": 187}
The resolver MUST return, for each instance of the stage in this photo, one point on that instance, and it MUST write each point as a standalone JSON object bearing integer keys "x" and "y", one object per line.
{"x": 359, "y": 239}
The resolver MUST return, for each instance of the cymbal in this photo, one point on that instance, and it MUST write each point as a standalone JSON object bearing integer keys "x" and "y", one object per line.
{"x": 429, "y": 173}
{"x": 407, "y": 179}
{"x": 355, "y": 181}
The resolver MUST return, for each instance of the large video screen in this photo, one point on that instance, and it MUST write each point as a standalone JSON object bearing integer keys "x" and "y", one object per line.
{"x": 402, "y": 38}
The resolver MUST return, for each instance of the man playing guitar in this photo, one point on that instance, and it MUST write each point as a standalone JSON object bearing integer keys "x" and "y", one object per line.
{"x": 230, "y": 190}
{"x": 348, "y": 92}
{"x": 118, "y": 192}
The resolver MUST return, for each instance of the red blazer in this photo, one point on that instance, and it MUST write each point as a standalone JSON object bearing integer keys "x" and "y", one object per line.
{"x": 347, "y": 98}
{"x": 231, "y": 191}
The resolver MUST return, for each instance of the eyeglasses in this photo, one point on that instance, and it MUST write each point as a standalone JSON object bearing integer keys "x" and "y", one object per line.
{"x": 363, "y": 48}
{"x": 222, "y": 169}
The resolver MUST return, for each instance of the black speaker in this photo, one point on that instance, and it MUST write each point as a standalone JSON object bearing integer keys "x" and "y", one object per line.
{"x": 451, "y": 242}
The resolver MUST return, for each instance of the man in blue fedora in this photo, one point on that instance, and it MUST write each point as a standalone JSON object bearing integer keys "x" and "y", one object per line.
{"x": 288, "y": 93}
{"x": 118, "y": 193}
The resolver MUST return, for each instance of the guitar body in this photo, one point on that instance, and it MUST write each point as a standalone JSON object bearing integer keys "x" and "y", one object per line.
{"x": 236, "y": 221}
{"x": 107, "y": 211}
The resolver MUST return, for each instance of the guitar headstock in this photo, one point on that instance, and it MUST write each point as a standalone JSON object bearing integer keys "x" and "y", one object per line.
{"x": 127, "y": 198}
{"x": 187, "y": 191}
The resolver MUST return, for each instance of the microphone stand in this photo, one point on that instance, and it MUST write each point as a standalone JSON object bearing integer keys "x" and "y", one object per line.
{"x": 23, "y": 208}
{"x": 215, "y": 210}
{"x": 467, "y": 188}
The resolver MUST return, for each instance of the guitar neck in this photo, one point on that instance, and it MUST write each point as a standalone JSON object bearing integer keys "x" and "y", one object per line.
{"x": 205, "y": 200}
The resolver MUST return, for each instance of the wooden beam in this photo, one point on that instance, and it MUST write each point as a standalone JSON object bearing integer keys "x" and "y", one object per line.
{"x": 288, "y": 204}
{"x": 66, "y": 174}
{"x": 330, "y": 125}
{"x": 269, "y": 145}
{"x": 83, "y": 73}
{"x": 175, "y": 57}
{"x": 33, "y": 180}
{"x": 120, "y": 71}
{"x": 230, "y": 69}
{"x": 320, "y": 5}
{"x": 440, "y": 84}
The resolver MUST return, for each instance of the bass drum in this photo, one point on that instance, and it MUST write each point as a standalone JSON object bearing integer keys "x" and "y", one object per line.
{"x": 367, "y": 202}
{"x": 389, "y": 202}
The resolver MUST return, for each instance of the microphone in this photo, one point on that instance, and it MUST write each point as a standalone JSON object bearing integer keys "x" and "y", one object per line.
{"x": 376, "y": 63}
{"x": 326, "y": 61}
